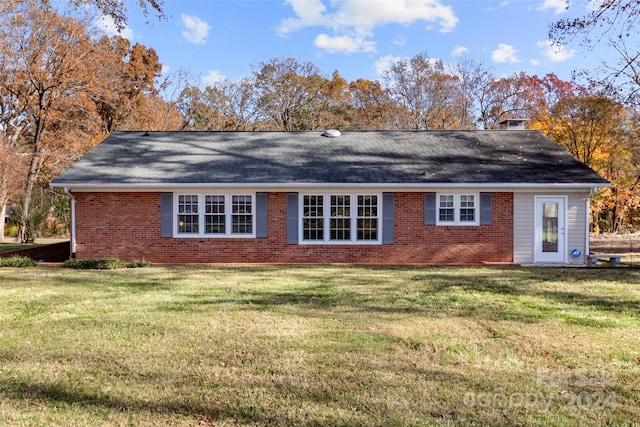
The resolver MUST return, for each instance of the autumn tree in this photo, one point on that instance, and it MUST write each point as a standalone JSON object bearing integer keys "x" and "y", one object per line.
{"x": 49, "y": 59}
{"x": 587, "y": 126}
{"x": 425, "y": 91}
{"x": 289, "y": 93}
{"x": 128, "y": 73}
{"x": 370, "y": 106}
{"x": 12, "y": 175}
{"x": 631, "y": 172}
{"x": 162, "y": 112}
{"x": 332, "y": 104}
{"x": 197, "y": 107}
{"x": 115, "y": 9}
{"x": 518, "y": 96}
{"x": 596, "y": 130}
{"x": 238, "y": 103}
{"x": 12, "y": 165}
{"x": 225, "y": 105}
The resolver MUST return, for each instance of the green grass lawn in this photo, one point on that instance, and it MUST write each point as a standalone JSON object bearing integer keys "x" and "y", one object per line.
{"x": 13, "y": 246}
{"x": 9, "y": 244}
{"x": 319, "y": 346}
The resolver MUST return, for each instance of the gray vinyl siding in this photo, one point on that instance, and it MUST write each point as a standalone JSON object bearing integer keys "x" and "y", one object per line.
{"x": 577, "y": 226}
{"x": 523, "y": 226}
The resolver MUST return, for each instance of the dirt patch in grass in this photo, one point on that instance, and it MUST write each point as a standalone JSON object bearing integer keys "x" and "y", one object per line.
{"x": 616, "y": 244}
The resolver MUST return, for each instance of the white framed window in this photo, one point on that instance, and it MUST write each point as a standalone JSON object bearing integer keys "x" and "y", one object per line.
{"x": 188, "y": 214}
{"x": 215, "y": 214}
{"x": 457, "y": 209}
{"x": 313, "y": 217}
{"x": 340, "y": 218}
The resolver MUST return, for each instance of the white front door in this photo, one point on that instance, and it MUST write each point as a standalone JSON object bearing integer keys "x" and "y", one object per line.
{"x": 550, "y": 226}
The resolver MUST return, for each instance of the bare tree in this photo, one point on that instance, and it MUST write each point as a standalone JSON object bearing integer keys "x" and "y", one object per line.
{"x": 422, "y": 87}
{"x": 613, "y": 23}
{"x": 288, "y": 92}
{"x": 475, "y": 79}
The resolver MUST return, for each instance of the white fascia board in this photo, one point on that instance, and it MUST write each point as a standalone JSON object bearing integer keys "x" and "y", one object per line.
{"x": 158, "y": 187}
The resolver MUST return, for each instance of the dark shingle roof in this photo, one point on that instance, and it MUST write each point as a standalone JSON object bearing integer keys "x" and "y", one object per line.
{"x": 378, "y": 157}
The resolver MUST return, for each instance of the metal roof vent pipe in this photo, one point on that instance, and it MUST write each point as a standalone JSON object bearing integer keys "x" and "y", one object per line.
{"x": 331, "y": 133}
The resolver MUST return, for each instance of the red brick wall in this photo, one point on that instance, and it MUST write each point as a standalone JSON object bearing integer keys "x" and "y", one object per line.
{"x": 127, "y": 226}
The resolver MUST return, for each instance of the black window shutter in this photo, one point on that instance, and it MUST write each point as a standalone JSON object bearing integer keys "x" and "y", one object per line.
{"x": 166, "y": 214}
{"x": 292, "y": 218}
{"x": 261, "y": 215}
{"x": 388, "y": 221}
{"x": 486, "y": 209}
{"x": 430, "y": 208}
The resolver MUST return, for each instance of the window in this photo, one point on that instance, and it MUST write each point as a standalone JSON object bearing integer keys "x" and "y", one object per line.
{"x": 446, "y": 211}
{"x": 241, "y": 215}
{"x": 313, "y": 218}
{"x": 188, "y": 213}
{"x": 467, "y": 208}
{"x": 340, "y": 218}
{"x": 368, "y": 218}
{"x": 457, "y": 209}
{"x": 215, "y": 215}
{"x": 340, "y": 228}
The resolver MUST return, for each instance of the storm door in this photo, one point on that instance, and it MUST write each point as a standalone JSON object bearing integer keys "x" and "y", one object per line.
{"x": 550, "y": 229}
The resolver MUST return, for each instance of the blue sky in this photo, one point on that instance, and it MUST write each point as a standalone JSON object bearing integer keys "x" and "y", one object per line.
{"x": 211, "y": 39}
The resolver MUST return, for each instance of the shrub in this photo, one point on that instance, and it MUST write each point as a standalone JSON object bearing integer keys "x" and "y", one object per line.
{"x": 10, "y": 230}
{"x": 94, "y": 264}
{"x": 103, "y": 264}
{"x": 139, "y": 263}
{"x": 17, "y": 261}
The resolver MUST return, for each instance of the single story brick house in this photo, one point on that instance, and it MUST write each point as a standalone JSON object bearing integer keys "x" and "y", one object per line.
{"x": 371, "y": 197}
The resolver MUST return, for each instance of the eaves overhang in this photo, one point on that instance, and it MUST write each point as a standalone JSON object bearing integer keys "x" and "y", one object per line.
{"x": 138, "y": 187}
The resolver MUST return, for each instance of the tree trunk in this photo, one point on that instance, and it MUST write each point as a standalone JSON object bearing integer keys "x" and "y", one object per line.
{"x": 24, "y": 234}
{"x": 3, "y": 215}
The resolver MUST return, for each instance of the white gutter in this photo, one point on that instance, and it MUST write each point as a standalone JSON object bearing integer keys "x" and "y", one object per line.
{"x": 73, "y": 221}
{"x": 427, "y": 185}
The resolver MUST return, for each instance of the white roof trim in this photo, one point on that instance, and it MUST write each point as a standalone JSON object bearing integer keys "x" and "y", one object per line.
{"x": 284, "y": 186}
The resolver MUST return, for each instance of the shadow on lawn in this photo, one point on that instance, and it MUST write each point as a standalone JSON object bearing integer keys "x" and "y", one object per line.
{"x": 522, "y": 283}
{"x": 507, "y": 294}
{"x": 60, "y": 393}
{"x": 293, "y": 403}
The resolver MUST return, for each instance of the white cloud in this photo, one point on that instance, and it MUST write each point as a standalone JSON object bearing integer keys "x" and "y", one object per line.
{"x": 459, "y": 51}
{"x": 558, "y": 6}
{"x": 212, "y": 77}
{"x": 195, "y": 29}
{"x": 400, "y": 41}
{"x": 554, "y": 52}
{"x": 310, "y": 14}
{"x": 383, "y": 63}
{"x": 593, "y": 5}
{"x": 344, "y": 44}
{"x": 505, "y": 53}
{"x": 356, "y": 19}
{"x": 108, "y": 26}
